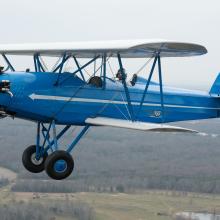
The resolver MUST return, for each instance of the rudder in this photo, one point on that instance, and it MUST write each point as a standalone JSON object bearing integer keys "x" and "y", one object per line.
{"x": 215, "y": 89}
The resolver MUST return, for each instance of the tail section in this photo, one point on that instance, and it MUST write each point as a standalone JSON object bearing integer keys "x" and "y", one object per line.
{"x": 215, "y": 90}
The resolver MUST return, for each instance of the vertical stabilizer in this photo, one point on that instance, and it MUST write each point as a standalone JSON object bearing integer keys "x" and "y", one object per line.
{"x": 215, "y": 90}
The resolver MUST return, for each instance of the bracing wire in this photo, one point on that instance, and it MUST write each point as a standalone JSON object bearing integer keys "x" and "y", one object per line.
{"x": 145, "y": 64}
{"x": 43, "y": 63}
{"x": 84, "y": 69}
{"x": 57, "y": 62}
{"x": 142, "y": 67}
{"x": 110, "y": 67}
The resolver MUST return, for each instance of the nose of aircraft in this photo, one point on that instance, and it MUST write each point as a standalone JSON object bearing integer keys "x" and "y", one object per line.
{"x": 5, "y": 91}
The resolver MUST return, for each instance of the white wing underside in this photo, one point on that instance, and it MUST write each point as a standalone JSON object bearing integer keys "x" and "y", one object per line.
{"x": 101, "y": 121}
{"x": 127, "y": 49}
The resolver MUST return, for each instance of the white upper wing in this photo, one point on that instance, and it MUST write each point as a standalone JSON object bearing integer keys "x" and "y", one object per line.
{"x": 127, "y": 49}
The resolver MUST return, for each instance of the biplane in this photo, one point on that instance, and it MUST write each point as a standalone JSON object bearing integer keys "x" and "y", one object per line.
{"x": 71, "y": 98}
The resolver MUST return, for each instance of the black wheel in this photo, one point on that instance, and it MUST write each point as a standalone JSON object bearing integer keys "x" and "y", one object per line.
{"x": 30, "y": 162}
{"x": 59, "y": 165}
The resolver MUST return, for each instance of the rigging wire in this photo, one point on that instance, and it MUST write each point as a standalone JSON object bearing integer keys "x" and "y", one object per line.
{"x": 56, "y": 64}
{"x": 94, "y": 66}
{"x": 141, "y": 68}
{"x": 107, "y": 104}
{"x": 66, "y": 65}
{"x": 126, "y": 106}
{"x": 69, "y": 100}
{"x": 145, "y": 64}
{"x": 100, "y": 66}
{"x": 43, "y": 63}
{"x": 110, "y": 67}
{"x": 84, "y": 69}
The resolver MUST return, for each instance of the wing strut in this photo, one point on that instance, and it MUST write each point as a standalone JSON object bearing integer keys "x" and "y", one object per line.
{"x": 37, "y": 64}
{"x": 78, "y": 66}
{"x": 81, "y": 68}
{"x": 130, "y": 108}
{"x": 147, "y": 85}
{"x": 157, "y": 60}
{"x": 60, "y": 66}
{"x": 8, "y": 63}
{"x": 161, "y": 86}
{"x": 104, "y": 70}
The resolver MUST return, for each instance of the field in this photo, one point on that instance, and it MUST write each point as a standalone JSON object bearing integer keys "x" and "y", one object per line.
{"x": 142, "y": 205}
{"x": 150, "y": 205}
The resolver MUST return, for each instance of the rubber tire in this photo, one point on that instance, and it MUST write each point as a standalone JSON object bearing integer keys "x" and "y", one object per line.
{"x": 53, "y": 158}
{"x": 28, "y": 164}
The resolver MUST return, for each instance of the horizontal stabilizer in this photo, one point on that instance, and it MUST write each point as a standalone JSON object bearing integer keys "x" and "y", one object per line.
{"x": 101, "y": 121}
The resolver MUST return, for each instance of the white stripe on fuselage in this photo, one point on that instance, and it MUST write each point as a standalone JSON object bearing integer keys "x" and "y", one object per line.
{"x": 34, "y": 96}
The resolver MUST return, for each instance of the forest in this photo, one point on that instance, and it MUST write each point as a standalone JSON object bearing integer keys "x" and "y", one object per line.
{"x": 120, "y": 160}
{"x": 38, "y": 211}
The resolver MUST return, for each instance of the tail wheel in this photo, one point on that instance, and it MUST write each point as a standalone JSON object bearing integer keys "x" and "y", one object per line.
{"x": 30, "y": 162}
{"x": 59, "y": 165}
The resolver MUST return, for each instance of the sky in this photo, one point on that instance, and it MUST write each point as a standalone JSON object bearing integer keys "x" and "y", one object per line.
{"x": 198, "y": 21}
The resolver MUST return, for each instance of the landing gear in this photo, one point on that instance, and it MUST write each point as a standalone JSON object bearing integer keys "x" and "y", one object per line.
{"x": 59, "y": 165}
{"x": 30, "y": 162}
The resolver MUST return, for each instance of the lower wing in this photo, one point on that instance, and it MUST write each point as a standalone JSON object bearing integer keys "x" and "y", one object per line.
{"x": 101, "y": 121}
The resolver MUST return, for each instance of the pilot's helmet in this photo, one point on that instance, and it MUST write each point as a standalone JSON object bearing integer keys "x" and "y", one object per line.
{"x": 119, "y": 74}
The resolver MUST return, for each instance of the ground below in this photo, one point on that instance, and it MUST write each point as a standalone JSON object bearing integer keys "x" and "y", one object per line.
{"x": 150, "y": 205}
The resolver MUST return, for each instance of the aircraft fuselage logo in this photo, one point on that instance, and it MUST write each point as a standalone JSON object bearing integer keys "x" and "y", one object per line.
{"x": 157, "y": 114}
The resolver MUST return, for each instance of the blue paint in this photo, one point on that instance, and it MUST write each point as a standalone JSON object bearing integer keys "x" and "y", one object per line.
{"x": 62, "y": 132}
{"x": 40, "y": 66}
{"x": 77, "y": 139}
{"x": 60, "y": 69}
{"x": 161, "y": 89}
{"x": 60, "y": 66}
{"x": 46, "y": 136}
{"x": 79, "y": 68}
{"x": 60, "y": 166}
{"x": 130, "y": 108}
{"x": 179, "y": 105}
{"x": 38, "y": 141}
{"x": 8, "y": 62}
{"x": 54, "y": 135}
{"x": 82, "y": 67}
{"x": 147, "y": 84}
{"x": 215, "y": 90}
{"x": 104, "y": 71}
{"x": 35, "y": 63}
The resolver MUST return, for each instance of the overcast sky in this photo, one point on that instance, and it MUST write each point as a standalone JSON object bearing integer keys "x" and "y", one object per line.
{"x": 85, "y": 20}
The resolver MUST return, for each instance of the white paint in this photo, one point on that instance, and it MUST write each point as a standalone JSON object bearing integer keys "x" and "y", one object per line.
{"x": 101, "y": 121}
{"x": 34, "y": 96}
{"x": 127, "y": 48}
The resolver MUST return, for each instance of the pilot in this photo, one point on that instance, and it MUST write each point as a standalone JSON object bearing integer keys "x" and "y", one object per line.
{"x": 119, "y": 74}
{"x": 1, "y": 69}
{"x": 134, "y": 80}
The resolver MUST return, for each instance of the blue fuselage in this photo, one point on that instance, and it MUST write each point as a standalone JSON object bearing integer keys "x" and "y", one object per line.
{"x": 35, "y": 97}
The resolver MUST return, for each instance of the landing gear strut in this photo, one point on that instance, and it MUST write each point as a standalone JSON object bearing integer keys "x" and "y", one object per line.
{"x": 59, "y": 164}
